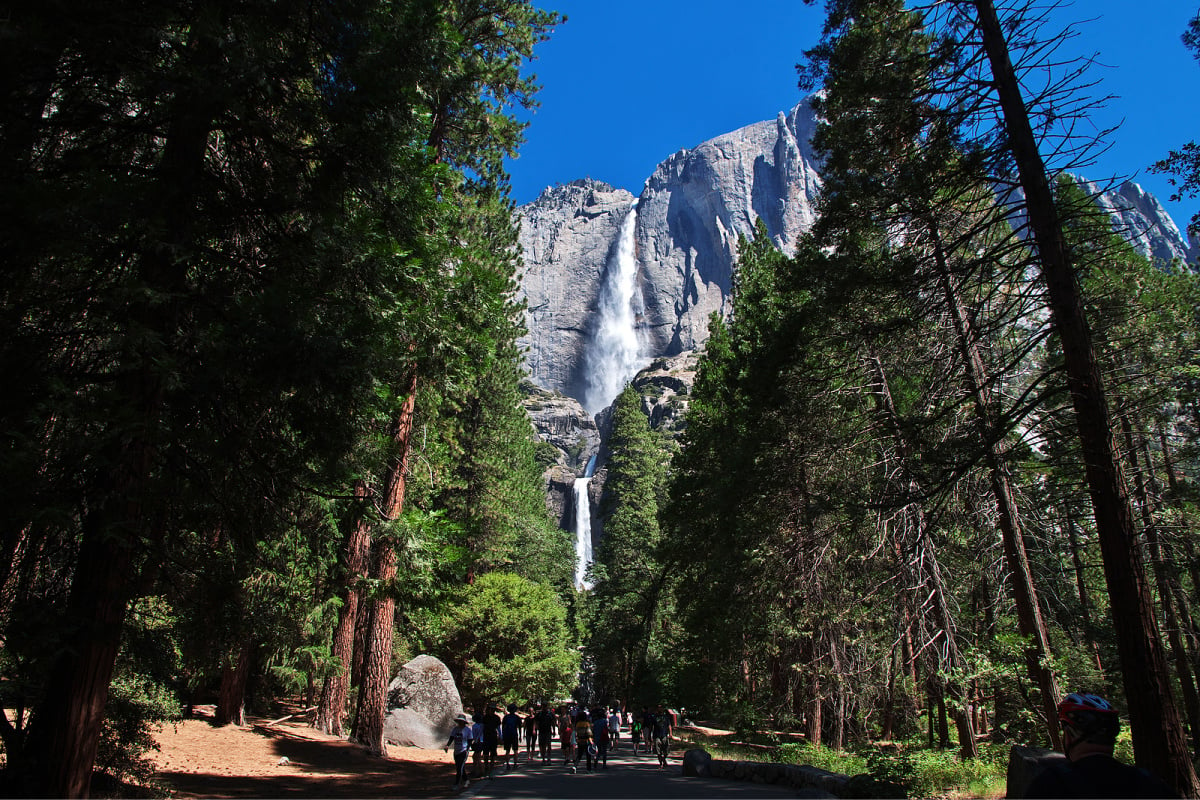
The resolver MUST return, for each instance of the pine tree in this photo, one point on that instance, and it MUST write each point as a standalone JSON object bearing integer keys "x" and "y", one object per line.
{"x": 627, "y": 573}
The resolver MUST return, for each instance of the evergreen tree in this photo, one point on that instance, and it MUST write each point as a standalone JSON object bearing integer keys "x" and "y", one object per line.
{"x": 627, "y": 573}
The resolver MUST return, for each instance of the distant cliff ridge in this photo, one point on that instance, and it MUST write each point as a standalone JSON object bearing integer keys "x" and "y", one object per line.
{"x": 690, "y": 213}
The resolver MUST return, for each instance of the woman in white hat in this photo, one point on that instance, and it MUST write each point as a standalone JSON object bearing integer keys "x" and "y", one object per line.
{"x": 460, "y": 737}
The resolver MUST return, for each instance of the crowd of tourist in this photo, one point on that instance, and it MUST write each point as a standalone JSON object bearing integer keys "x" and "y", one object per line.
{"x": 580, "y": 733}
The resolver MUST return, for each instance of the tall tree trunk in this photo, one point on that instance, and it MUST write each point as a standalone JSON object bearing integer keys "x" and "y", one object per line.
{"x": 335, "y": 691}
{"x": 943, "y": 723}
{"x": 1162, "y": 579}
{"x": 65, "y": 733}
{"x": 1158, "y": 738}
{"x": 231, "y": 699}
{"x": 377, "y": 658}
{"x": 1089, "y": 624}
{"x": 1030, "y": 621}
{"x": 813, "y": 723}
{"x": 889, "y": 699}
{"x": 919, "y": 565}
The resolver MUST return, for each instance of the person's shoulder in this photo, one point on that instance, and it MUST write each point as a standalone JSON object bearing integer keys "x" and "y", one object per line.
{"x": 1097, "y": 776}
{"x": 1105, "y": 772}
{"x": 1051, "y": 782}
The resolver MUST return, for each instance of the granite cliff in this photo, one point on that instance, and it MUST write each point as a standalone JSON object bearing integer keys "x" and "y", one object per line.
{"x": 687, "y": 221}
{"x": 689, "y": 215}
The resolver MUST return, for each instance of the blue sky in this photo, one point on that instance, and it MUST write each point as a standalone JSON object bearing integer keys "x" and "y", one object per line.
{"x": 626, "y": 83}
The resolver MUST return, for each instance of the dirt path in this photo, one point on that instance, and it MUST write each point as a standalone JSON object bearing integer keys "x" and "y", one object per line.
{"x": 199, "y": 760}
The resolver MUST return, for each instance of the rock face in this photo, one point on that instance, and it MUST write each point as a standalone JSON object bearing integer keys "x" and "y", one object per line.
{"x": 699, "y": 202}
{"x": 423, "y": 701}
{"x": 566, "y": 235}
{"x": 561, "y": 422}
{"x": 666, "y": 387}
{"x": 689, "y": 216}
{"x": 1141, "y": 219}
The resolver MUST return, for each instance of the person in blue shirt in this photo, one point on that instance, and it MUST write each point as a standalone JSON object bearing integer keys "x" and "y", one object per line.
{"x": 510, "y": 734}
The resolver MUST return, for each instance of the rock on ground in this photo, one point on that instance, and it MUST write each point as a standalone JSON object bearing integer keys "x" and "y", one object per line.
{"x": 423, "y": 701}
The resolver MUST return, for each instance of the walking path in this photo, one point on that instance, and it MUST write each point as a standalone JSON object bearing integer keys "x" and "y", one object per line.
{"x": 627, "y": 776}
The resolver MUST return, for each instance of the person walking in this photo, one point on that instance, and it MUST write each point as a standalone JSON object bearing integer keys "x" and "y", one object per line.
{"x": 477, "y": 746}
{"x": 583, "y": 739}
{"x": 647, "y": 729}
{"x": 460, "y": 739}
{"x": 614, "y": 728}
{"x": 635, "y": 733}
{"x": 510, "y": 730}
{"x": 566, "y": 735}
{"x": 662, "y": 735}
{"x": 491, "y": 738}
{"x": 531, "y": 732}
{"x": 545, "y": 729}
{"x": 603, "y": 736}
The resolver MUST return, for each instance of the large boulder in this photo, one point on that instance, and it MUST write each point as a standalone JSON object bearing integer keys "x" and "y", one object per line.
{"x": 423, "y": 701}
{"x": 696, "y": 763}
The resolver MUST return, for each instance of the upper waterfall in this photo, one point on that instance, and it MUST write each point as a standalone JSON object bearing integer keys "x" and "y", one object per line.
{"x": 614, "y": 354}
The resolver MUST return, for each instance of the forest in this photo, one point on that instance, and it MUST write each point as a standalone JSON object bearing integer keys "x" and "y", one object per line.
{"x": 263, "y": 433}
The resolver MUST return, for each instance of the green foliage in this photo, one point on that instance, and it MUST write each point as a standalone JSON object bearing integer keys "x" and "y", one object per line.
{"x": 893, "y": 766}
{"x": 625, "y": 608}
{"x": 291, "y": 209}
{"x": 545, "y": 454}
{"x": 938, "y": 771}
{"x": 505, "y": 637}
{"x": 822, "y": 757}
{"x": 137, "y": 706}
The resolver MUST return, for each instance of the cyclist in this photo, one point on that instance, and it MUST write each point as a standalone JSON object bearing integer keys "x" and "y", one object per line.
{"x": 1090, "y": 725}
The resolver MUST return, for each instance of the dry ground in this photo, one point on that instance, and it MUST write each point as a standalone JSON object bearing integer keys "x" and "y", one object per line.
{"x": 199, "y": 760}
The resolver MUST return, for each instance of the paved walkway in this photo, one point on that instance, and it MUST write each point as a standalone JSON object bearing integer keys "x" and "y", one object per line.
{"x": 627, "y": 776}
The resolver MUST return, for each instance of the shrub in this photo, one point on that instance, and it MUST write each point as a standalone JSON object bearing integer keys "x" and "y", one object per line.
{"x": 822, "y": 757}
{"x": 136, "y": 707}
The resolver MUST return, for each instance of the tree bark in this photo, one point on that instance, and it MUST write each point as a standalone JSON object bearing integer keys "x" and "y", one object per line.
{"x": 1163, "y": 582}
{"x": 813, "y": 723}
{"x": 372, "y": 694}
{"x": 65, "y": 733}
{"x": 335, "y": 691}
{"x": 231, "y": 699}
{"x": 1158, "y": 737}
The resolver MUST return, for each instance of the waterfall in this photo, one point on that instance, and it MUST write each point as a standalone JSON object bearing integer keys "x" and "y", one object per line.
{"x": 583, "y": 526}
{"x": 614, "y": 355}
{"x": 583, "y": 533}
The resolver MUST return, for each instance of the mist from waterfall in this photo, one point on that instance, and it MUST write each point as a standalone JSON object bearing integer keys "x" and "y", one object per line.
{"x": 613, "y": 355}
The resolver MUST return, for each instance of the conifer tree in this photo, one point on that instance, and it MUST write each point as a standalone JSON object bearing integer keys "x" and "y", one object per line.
{"x": 627, "y": 573}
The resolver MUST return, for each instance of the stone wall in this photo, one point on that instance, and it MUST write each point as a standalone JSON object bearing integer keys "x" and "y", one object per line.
{"x": 699, "y": 764}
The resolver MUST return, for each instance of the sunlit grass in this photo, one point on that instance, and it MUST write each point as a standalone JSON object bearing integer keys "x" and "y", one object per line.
{"x": 920, "y": 770}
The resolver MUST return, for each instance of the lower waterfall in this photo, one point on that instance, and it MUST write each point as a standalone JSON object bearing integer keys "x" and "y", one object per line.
{"x": 583, "y": 526}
